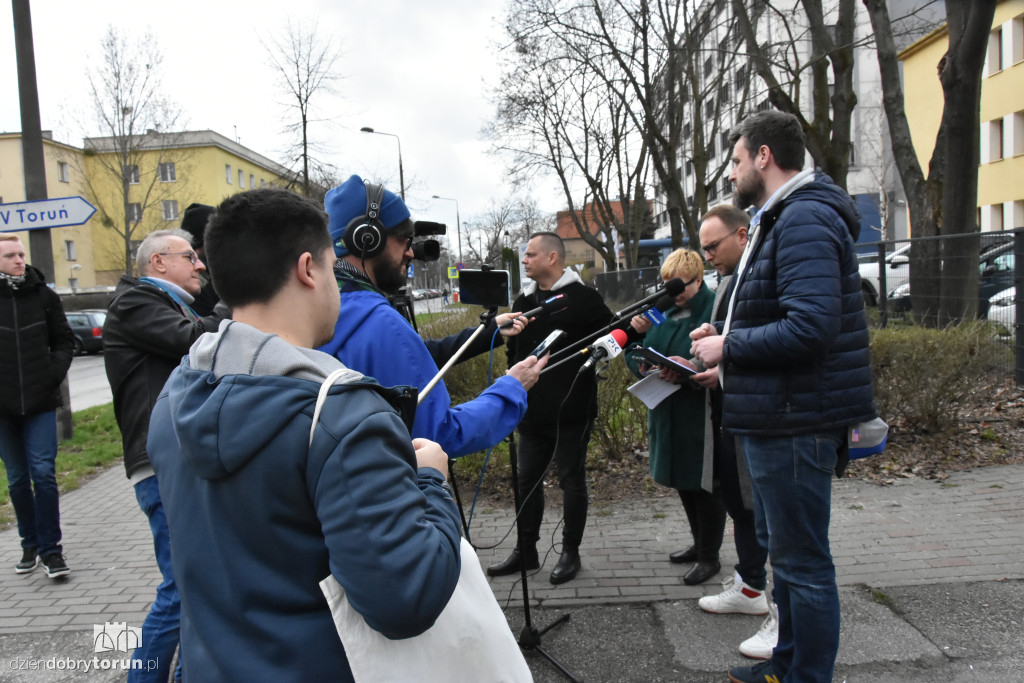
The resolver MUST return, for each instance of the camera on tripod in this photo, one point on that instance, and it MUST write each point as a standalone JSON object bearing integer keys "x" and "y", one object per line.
{"x": 427, "y": 250}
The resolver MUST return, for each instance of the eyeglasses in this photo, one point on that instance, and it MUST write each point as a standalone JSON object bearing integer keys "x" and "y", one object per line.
{"x": 713, "y": 247}
{"x": 190, "y": 255}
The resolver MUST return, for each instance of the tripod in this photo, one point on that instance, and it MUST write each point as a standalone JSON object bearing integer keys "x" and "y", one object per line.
{"x": 529, "y": 638}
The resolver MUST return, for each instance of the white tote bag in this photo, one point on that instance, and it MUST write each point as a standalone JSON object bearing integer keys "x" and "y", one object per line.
{"x": 469, "y": 641}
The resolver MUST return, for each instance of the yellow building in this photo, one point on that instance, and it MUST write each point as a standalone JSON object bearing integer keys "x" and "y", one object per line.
{"x": 1000, "y": 190}
{"x": 165, "y": 172}
{"x": 73, "y": 261}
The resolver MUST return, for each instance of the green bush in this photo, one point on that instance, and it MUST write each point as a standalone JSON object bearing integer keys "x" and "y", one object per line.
{"x": 925, "y": 377}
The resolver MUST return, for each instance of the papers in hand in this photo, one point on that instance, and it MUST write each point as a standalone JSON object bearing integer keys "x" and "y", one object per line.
{"x": 652, "y": 390}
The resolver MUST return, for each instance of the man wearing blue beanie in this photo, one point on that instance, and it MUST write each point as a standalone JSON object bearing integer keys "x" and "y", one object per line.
{"x": 372, "y": 234}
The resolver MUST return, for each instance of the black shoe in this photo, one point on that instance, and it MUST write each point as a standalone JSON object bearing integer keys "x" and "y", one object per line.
{"x": 55, "y": 566}
{"x": 511, "y": 564}
{"x": 762, "y": 672}
{"x": 567, "y": 568}
{"x": 684, "y": 556}
{"x": 29, "y": 561}
{"x": 701, "y": 572}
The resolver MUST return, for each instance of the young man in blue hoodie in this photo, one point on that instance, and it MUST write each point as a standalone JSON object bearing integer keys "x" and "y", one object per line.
{"x": 257, "y": 515}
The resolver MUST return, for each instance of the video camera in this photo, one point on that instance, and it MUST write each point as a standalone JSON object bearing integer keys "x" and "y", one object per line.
{"x": 427, "y": 250}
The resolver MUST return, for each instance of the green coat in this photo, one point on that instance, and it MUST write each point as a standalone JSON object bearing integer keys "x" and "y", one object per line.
{"x": 679, "y": 427}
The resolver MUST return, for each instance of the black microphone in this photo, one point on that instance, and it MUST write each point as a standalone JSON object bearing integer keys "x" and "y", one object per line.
{"x": 673, "y": 288}
{"x": 553, "y": 305}
{"x": 663, "y": 304}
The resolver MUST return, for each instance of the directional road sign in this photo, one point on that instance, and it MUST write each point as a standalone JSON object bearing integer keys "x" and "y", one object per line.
{"x": 45, "y": 213}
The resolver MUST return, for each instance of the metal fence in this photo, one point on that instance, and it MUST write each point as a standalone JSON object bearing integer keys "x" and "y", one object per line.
{"x": 885, "y": 270}
{"x": 885, "y": 278}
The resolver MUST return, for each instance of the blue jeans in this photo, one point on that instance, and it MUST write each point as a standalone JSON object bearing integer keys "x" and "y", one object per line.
{"x": 160, "y": 629}
{"x": 28, "y": 447}
{"x": 792, "y": 482}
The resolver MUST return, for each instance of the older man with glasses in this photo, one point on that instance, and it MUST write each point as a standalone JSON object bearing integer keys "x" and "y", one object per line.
{"x": 150, "y": 325}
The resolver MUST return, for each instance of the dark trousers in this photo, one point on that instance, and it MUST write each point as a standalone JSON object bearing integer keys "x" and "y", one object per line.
{"x": 568, "y": 443}
{"x": 706, "y": 514}
{"x": 751, "y": 555}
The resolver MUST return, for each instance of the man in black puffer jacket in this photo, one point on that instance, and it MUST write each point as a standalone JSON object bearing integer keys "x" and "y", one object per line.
{"x": 36, "y": 346}
{"x": 795, "y": 370}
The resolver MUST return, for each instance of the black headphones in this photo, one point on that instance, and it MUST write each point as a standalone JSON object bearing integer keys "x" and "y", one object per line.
{"x": 365, "y": 236}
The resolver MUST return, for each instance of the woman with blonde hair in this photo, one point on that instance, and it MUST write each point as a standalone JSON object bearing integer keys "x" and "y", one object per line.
{"x": 679, "y": 428}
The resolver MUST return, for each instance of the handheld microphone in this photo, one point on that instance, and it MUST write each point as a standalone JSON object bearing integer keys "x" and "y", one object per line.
{"x": 656, "y": 313}
{"x": 555, "y": 304}
{"x": 607, "y": 346}
{"x": 672, "y": 288}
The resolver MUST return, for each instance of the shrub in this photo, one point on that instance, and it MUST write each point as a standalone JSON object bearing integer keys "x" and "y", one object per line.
{"x": 926, "y": 376}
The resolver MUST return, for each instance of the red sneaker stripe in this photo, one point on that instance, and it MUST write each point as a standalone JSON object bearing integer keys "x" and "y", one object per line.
{"x": 751, "y": 593}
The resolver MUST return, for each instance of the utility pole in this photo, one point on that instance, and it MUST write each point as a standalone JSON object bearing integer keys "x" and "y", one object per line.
{"x": 39, "y": 241}
{"x": 31, "y": 134}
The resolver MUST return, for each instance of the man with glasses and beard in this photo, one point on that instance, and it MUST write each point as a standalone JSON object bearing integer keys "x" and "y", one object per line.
{"x": 373, "y": 338}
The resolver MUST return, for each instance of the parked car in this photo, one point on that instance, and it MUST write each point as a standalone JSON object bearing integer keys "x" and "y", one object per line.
{"x": 1002, "y": 309}
{"x": 897, "y": 267}
{"x": 995, "y": 267}
{"x": 88, "y": 328}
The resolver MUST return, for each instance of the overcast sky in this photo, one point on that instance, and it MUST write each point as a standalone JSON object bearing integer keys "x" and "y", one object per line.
{"x": 416, "y": 69}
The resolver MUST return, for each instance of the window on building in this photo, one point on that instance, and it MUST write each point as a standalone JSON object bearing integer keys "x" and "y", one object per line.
{"x": 241, "y": 179}
{"x": 765, "y": 105}
{"x": 724, "y": 92}
{"x": 227, "y": 173}
{"x": 263, "y": 183}
{"x": 1017, "y": 40}
{"x": 726, "y": 187}
{"x": 70, "y": 253}
{"x": 1017, "y": 131}
{"x": 167, "y": 173}
{"x": 252, "y": 181}
{"x": 741, "y": 75}
{"x": 709, "y": 107}
{"x": 63, "y": 174}
{"x": 994, "y": 56}
{"x": 709, "y": 66}
{"x": 687, "y": 129}
{"x": 995, "y": 140}
{"x": 723, "y": 50}
{"x": 132, "y": 174}
{"x": 135, "y": 212}
{"x": 170, "y": 209}
{"x": 712, "y": 191}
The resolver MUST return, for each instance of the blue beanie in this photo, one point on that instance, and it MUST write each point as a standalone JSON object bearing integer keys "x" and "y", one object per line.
{"x": 348, "y": 201}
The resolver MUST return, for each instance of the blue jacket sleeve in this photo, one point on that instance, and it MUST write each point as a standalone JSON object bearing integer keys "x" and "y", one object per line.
{"x": 389, "y": 350}
{"x": 809, "y": 290}
{"x": 391, "y": 531}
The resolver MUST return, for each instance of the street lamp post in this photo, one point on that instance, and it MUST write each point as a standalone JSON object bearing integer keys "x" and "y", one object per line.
{"x": 401, "y": 173}
{"x": 458, "y": 224}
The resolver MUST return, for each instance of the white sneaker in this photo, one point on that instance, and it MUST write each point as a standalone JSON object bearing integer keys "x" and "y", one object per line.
{"x": 761, "y": 644}
{"x": 737, "y": 598}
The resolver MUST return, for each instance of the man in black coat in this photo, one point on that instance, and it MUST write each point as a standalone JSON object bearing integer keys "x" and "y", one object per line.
{"x": 561, "y": 407}
{"x": 150, "y": 325}
{"x": 36, "y": 346}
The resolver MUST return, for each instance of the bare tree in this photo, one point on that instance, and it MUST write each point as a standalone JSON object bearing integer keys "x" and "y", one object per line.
{"x": 502, "y": 226}
{"x": 645, "y": 59}
{"x": 304, "y": 62}
{"x": 138, "y": 141}
{"x": 943, "y": 202}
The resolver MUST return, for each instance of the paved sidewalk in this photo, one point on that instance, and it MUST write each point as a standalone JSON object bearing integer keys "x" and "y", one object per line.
{"x": 962, "y": 533}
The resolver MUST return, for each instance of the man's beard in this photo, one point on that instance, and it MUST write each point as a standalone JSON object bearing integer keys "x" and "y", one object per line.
{"x": 388, "y": 277}
{"x": 750, "y": 195}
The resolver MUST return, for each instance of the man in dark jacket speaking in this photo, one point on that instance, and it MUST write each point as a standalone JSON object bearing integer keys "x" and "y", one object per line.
{"x": 795, "y": 370}
{"x": 36, "y": 346}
